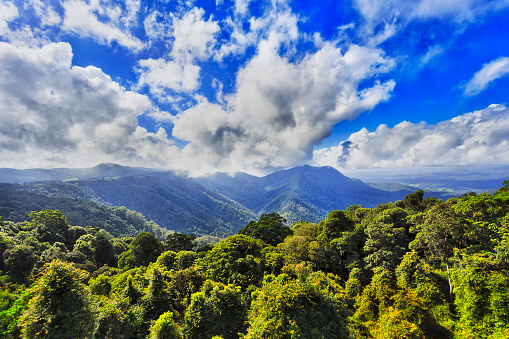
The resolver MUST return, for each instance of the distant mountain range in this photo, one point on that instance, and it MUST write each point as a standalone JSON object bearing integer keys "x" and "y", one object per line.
{"x": 217, "y": 205}
{"x": 16, "y": 176}
{"x": 455, "y": 180}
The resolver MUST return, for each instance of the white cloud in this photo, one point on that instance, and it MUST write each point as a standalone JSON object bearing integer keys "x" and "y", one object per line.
{"x": 376, "y": 11}
{"x": 132, "y": 9}
{"x": 194, "y": 36}
{"x": 281, "y": 109}
{"x": 490, "y": 72}
{"x": 480, "y": 137}
{"x": 13, "y": 28}
{"x": 160, "y": 75}
{"x": 193, "y": 40}
{"x": 8, "y": 12}
{"x": 101, "y": 22}
{"x": 277, "y": 25}
{"x": 45, "y": 12}
{"x": 56, "y": 114}
{"x": 156, "y": 25}
{"x": 432, "y": 53}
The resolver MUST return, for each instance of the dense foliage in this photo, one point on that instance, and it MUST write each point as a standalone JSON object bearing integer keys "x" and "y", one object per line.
{"x": 16, "y": 204}
{"x": 416, "y": 268}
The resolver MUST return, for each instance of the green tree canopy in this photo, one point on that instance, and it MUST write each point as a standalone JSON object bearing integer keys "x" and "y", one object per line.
{"x": 144, "y": 249}
{"x": 51, "y": 226}
{"x": 165, "y": 328}
{"x": 180, "y": 242}
{"x": 208, "y": 309}
{"x": 285, "y": 308}
{"x": 60, "y": 306}
{"x": 235, "y": 260}
{"x": 270, "y": 228}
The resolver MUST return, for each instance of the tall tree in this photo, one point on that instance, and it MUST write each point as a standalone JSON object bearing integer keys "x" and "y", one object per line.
{"x": 165, "y": 328}
{"x": 270, "y": 228}
{"x": 217, "y": 310}
{"x": 144, "y": 249}
{"x": 235, "y": 260}
{"x": 60, "y": 306}
{"x": 180, "y": 242}
{"x": 440, "y": 234}
{"x": 51, "y": 226}
{"x": 310, "y": 308}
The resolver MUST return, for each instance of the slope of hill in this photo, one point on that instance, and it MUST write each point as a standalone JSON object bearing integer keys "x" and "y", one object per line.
{"x": 174, "y": 202}
{"x": 302, "y": 193}
{"x": 16, "y": 176}
{"x": 16, "y": 204}
{"x": 221, "y": 204}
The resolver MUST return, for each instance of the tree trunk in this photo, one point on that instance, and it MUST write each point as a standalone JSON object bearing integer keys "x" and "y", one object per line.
{"x": 449, "y": 279}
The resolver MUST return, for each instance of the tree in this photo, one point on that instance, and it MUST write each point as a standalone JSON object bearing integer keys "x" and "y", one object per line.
{"x": 19, "y": 262}
{"x": 167, "y": 260}
{"x": 60, "y": 306}
{"x": 155, "y": 302}
{"x": 9, "y": 318}
{"x": 165, "y": 328}
{"x": 57, "y": 251}
{"x": 217, "y": 310}
{"x": 414, "y": 201}
{"x": 104, "y": 252}
{"x": 182, "y": 285}
{"x": 440, "y": 234}
{"x": 143, "y": 250}
{"x": 285, "y": 308}
{"x": 180, "y": 242}
{"x": 114, "y": 323}
{"x": 481, "y": 297}
{"x": 235, "y": 260}
{"x": 185, "y": 259}
{"x": 335, "y": 224}
{"x": 385, "y": 245}
{"x": 51, "y": 226}
{"x": 269, "y": 228}
{"x": 505, "y": 185}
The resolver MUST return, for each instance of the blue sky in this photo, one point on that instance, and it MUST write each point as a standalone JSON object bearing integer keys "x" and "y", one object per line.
{"x": 206, "y": 86}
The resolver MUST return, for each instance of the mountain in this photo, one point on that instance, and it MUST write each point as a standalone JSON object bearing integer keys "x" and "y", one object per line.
{"x": 16, "y": 176}
{"x": 16, "y": 204}
{"x": 222, "y": 204}
{"x": 455, "y": 180}
{"x": 302, "y": 193}
{"x": 173, "y": 201}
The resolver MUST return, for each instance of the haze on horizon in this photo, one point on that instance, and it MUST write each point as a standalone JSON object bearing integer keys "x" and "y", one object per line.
{"x": 251, "y": 86}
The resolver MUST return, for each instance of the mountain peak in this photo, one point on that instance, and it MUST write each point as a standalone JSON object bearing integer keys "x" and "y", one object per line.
{"x": 311, "y": 170}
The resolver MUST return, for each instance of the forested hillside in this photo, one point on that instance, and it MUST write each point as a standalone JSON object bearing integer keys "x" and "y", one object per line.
{"x": 415, "y": 268}
{"x": 16, "y": 176}
{"x": 173, "y": 202}
{"x": 15, "y": 205}
{"x": 221, "y": 204}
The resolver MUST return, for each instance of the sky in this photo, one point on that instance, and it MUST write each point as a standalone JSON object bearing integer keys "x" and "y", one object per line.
{"x": 254, "y": 86}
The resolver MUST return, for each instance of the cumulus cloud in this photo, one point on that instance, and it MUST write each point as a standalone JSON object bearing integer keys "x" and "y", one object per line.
{"x": 490, "y": 72}
{"x": 480, "y": 137}
{"x": 103, "y": 22}
{"x": 284, "y": 100}
{"x": 281, "y": 109}
{"x": 56, "y": 114}
{"x": 193, "y": 40}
